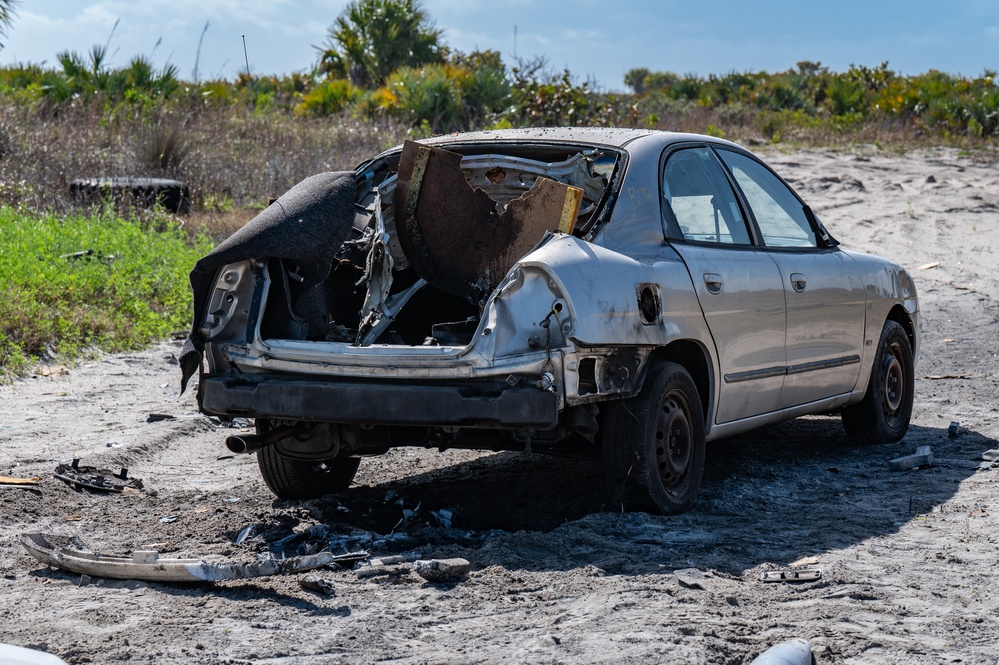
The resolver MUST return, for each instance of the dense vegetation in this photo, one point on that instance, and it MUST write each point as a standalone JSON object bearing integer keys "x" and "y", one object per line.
{"x": 383, "y": 74}
{"x": 89, "y": 281}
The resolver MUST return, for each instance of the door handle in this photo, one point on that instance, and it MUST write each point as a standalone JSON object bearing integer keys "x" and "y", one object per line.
{"x": 797, "y": 282}
{"x": 713, "y": 282}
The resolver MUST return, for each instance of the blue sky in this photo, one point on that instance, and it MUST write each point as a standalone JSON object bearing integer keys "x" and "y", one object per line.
{"x": 596, "y": 39}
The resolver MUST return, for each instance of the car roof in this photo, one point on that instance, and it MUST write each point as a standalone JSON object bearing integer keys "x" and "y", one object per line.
{"x": 617, "y": 137}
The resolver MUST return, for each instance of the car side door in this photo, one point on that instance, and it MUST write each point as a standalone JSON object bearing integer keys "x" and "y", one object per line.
{"x": 738, "y": 286}
{"x": 825, "y": 299}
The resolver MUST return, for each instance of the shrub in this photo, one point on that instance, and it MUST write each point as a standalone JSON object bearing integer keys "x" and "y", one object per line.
{"x": 328, "y": 98}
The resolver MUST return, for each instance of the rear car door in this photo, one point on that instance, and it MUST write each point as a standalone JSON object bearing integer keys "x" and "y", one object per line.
{"x": 738, "y": 286}
{"x": 824, "y": 297}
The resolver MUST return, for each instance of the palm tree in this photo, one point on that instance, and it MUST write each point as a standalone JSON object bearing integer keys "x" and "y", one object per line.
{"x": 372, "y": 38}
{"x": 7, "y": 8}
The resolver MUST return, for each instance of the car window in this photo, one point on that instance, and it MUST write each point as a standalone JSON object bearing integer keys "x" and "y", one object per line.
{"x": 778, "y": 212}
{"x": 698, "y": 200}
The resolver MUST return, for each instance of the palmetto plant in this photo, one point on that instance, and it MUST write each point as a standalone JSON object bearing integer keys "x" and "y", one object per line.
{"x": 372, "y": 38}
{"x": 7, "y": 8}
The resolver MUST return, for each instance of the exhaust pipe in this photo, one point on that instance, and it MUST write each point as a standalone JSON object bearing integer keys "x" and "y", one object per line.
{"x": 251, "y": 443}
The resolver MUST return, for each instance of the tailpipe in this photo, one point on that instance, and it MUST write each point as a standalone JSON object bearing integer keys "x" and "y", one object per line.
{"x": 251, "y": 443}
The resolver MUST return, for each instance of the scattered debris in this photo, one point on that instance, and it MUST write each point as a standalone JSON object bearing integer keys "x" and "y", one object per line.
{"x": 954, "y": 429}
{"x": 383, "y": 565}
{"x": 156, "y": 417}
{"x": 147, "y": 566}
{"x": 89, "y": 477}
{"x": 941, "y": 377}
{"x": 244, "y": 534}
{"x": 441, "y": 571}
{"x": 922, "y": 457}
{"x": 444, "y": 517}
{"x": 170, "y": 519}
{"x": 791, "y": 575}
{"x": 9, "y": 481}
{"x": 805, "y": 561}
{"x": 56, "y": 370}
{"x": 990, "y": 456}
{"x": 794, "y": 652}
{"x": 692, "y": 578}
{"x": 927, "y": 266}
{"x": 318, "y": 584}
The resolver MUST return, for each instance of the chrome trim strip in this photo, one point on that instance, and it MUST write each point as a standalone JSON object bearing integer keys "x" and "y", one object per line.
{"x": 823, "y": 364}
{"x": 768, "y": 372}
{"x": 765, "y": 373}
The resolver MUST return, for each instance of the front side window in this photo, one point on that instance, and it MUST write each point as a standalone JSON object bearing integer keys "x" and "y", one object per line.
{"x": 699, "y": 202}
{"x": 779, "y": 214}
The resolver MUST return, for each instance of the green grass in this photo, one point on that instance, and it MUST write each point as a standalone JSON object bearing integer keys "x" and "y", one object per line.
{"x": 129, "y": 290}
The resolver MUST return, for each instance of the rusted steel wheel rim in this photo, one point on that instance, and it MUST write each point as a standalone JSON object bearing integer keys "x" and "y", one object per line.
{"x": 673, "y": 440}
{"x": 893, "y": 385}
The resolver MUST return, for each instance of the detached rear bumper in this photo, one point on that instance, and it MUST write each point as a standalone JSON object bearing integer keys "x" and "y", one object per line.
{"x": 352, "y": 401}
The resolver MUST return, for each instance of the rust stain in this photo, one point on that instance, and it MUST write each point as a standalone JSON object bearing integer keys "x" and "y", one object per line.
{"x": 453, "y": 234}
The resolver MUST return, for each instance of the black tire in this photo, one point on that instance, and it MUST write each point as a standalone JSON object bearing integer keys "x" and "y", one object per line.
{"x": 297, "y": 479}
{"x": 653, "y": 444}
{"x": 883, "y": 415}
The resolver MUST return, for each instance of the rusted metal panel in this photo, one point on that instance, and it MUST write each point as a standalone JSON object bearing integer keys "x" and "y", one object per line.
{"x": 454, "y": 234}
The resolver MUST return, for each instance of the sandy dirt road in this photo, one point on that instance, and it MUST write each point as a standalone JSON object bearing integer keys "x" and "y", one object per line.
{"x": 909, "y": 560}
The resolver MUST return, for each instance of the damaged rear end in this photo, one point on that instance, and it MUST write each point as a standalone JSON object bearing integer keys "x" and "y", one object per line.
{"x": 407, "y": 303}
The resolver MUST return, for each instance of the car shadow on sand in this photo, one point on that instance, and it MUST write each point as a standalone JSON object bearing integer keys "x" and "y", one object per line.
{"x": 767, "y": 497}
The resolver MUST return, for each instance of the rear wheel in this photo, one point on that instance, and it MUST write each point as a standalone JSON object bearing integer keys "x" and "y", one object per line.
{"x": 653, "y": 444}
{"x": 883, "y": 415}
{"x": 299, "y": 477}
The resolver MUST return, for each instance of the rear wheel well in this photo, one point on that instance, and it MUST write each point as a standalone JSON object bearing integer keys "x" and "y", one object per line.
{"x": 692, "y": 357}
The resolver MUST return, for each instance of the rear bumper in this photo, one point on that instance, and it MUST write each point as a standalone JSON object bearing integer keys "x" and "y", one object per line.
{"x": 379, "y": 403}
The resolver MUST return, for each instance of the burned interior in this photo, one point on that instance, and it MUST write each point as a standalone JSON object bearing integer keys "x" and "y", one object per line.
{"x": 434, "y": 232}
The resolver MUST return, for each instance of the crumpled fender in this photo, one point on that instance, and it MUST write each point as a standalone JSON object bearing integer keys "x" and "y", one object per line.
{"x": 602, "y": 289}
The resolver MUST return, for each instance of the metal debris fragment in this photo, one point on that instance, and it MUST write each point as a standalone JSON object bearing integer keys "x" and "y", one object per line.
{"x": 922, "y": 457}
{"x": 692, "y": 578}
{"x": 453, "y": 233}
{"x": 791, "y": 575}
{"x": 148, "y": 566}
{"x": 92, "y": 478}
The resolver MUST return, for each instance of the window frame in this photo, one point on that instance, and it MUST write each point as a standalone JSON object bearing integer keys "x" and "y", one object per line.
{"x": 670, "y": 225}
{"x": 671, "y": 228}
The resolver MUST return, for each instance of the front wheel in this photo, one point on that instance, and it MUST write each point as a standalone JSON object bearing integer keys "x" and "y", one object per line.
{"x": 883, "y": 415}
{"x": 653, "y": 444}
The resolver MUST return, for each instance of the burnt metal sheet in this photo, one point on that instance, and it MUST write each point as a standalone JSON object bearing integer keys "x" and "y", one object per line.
{"x": 92, "y": 478}
{"x": 455, "y": 236}
{"x": 60, "y": 552}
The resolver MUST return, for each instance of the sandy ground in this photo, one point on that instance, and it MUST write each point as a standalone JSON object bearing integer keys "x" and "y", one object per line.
{"x": 909, "y": 560}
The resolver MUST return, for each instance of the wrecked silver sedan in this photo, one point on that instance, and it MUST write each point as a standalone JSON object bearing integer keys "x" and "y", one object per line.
{"x": 625, "y": 294}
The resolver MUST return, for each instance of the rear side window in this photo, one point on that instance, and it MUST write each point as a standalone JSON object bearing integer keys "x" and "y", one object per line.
{"x": 699, "y": 201}
{"x": 779, "y": 214}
